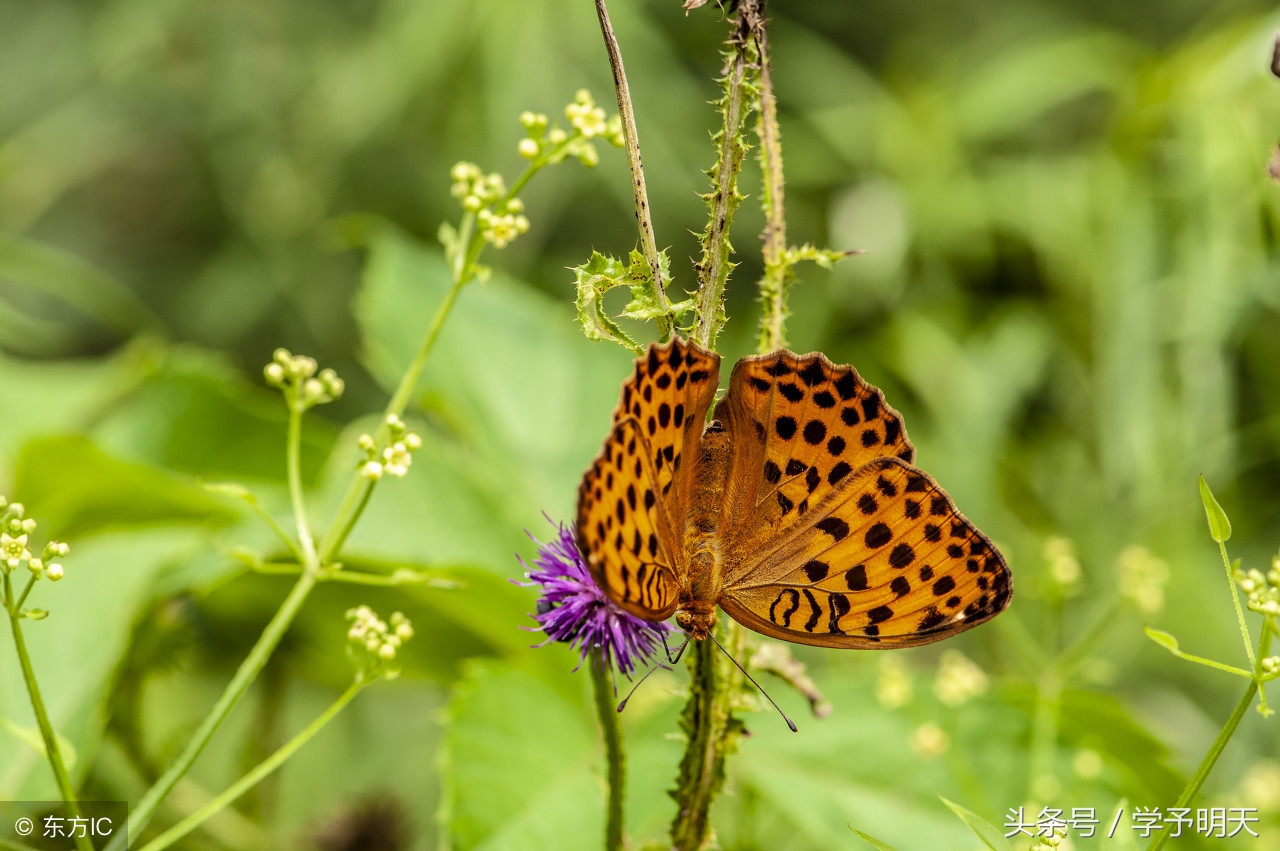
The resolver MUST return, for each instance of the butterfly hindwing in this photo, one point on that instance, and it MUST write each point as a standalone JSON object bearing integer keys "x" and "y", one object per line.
{"x": 885, "y": 560}
{"x": 631, "y": 504}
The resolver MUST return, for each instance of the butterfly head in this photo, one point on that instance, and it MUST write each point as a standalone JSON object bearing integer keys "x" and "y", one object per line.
{"x": 697, "y": 617}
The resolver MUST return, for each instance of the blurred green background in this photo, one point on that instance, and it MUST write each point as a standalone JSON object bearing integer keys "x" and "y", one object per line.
{"x": 1071, "y": 292}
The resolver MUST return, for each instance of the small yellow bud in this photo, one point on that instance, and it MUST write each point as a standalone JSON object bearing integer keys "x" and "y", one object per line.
{"x": 387, "y": 652}
{"x": 529, "y": 148}
{"x": 372, "y": 471}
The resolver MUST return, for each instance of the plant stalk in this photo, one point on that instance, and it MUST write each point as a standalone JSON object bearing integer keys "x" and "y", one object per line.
{"x": 1220, "y": 743}
{"x": 715, "y": 265}
{"x": 773, "y": 283}
{"x": 615, "y": 756}
{"x": 52, "y": 752}
{"x": 648, "y": 245}
{"x": 712, "y": 732}
{"x": 254, "y": 777}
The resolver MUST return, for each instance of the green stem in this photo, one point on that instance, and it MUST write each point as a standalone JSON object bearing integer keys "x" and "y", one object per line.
{"x": 714, "y": 267}
{"x": 8, "y": 845}
{"x": 631, "y": 137}
{"x": 712, "y": 731}
{"x": 293, "y": 460}
{"x": 52, "y": 752}
{"x": 1044, "y": 728}
{"x": 1235, "y": 598}
{"x": 244, "y": 677}
{"x": 1210, "y": 759}
{"x": 254, "y": 777}
{"x": 611, "y": 729}
{"x": 1219, "y": 744}
{"x": 773, "y": 283}
{"x": 358, "y": 493}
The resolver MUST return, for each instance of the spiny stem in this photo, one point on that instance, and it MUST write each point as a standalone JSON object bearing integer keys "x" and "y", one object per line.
{"x": 52, "y": 752}
{"x": 648, "y": 245}
{"x": 615, "y": 757}
{"x": 257, "y": 775}
{"x": 774, "y": 280}
{"x": 714, "y": 267}
{"x": 712, "y": 732}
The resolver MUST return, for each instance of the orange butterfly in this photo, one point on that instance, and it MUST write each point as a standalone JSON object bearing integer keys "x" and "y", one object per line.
{"x": 797, "y": 509}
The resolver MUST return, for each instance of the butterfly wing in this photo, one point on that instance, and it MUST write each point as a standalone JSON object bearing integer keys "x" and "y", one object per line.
{"x": 885, "y": 560}
{"x": 839, "y": 540}
{"x": 632, "y": 501}
{"x": 798, "y": 427}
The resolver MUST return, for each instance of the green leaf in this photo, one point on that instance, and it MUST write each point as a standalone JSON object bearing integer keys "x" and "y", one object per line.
{"x": 1219, "y": 525}
{"x": 1168, "y": 642}
{"x": 506, "y": 788}
{"x": 983, "y": 829}
{"x": 595, "y": 278}
{"x": 883, "y": 846}
{"x": 73, "y": 487}
{"x": 30, "y": 736}
{"x": 1164, "y": 639}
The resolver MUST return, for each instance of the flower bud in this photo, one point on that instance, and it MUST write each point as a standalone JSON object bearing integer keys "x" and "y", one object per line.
{"x": 274, "y": 373}
{"x": 529, "y": 148}
{"x": 372, "y": 471}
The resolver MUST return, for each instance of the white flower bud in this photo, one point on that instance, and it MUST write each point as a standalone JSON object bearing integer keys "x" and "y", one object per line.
{"x": 557, "y": 136}
{"x": 387, "y": 652}
{"x": 405, "y": 631}
{"x": 372, "y": 471}
{"x": 283, "y": 357}
{"x": 528, "y": 148}
{"x": 412, "y": 442}
{"x": 28, "y": 525}
{"x": 36, "y": 566}
{"x": 365, "y": 442}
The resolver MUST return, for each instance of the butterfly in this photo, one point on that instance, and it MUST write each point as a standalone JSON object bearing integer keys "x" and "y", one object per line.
{"x": 796, "y": 508}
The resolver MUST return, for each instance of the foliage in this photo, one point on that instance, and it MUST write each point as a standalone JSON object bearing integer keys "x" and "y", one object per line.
{"x": 1068, "y": 291}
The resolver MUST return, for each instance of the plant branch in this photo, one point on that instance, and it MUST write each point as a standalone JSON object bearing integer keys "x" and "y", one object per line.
{"x": 648, "y": 245}
{"x": 773, "y": 283}
{"x": 712, "y": 732}
{"x": 249, "y": 669}
{"x": 615, "y": 756}
{"x": 52, "y": 752}
{"x": 714, "y": 266}
{"x": 256, "y": 776}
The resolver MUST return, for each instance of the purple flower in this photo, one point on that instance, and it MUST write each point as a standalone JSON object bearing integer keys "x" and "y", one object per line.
{"x": 573, "y": 608}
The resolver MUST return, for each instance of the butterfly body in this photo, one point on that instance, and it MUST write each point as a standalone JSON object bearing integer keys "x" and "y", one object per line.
{"x": 795, "y": 507}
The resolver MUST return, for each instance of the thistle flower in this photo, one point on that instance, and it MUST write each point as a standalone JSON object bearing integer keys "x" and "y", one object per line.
{"x": 574, "y": 609}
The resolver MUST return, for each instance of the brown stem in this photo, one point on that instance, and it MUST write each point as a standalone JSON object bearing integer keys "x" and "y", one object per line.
{"x": 648, "y": 245}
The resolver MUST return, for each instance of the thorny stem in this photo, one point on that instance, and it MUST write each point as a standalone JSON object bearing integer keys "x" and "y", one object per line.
{"x": 712, "y": 732}
{"x": 1218, "y": 746}
{"x": 648, "y": 245}
{"x": 255, "y": 776}
{"x": 714, "y": 267}
{"x": 773, "y": 283}
{"x": 615, "y": 756}
{"x": 47, "y": 735}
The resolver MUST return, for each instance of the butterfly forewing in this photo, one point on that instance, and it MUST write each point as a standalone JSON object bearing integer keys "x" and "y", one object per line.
{"x": 799, "y": 426}
{"x": 884, "y": 561}
{"x": 632, "y": 502}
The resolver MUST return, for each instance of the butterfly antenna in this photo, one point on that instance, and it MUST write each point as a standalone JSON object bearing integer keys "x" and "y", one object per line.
{"x": 790, "y": 723}
{"x": 623, "y": 705}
